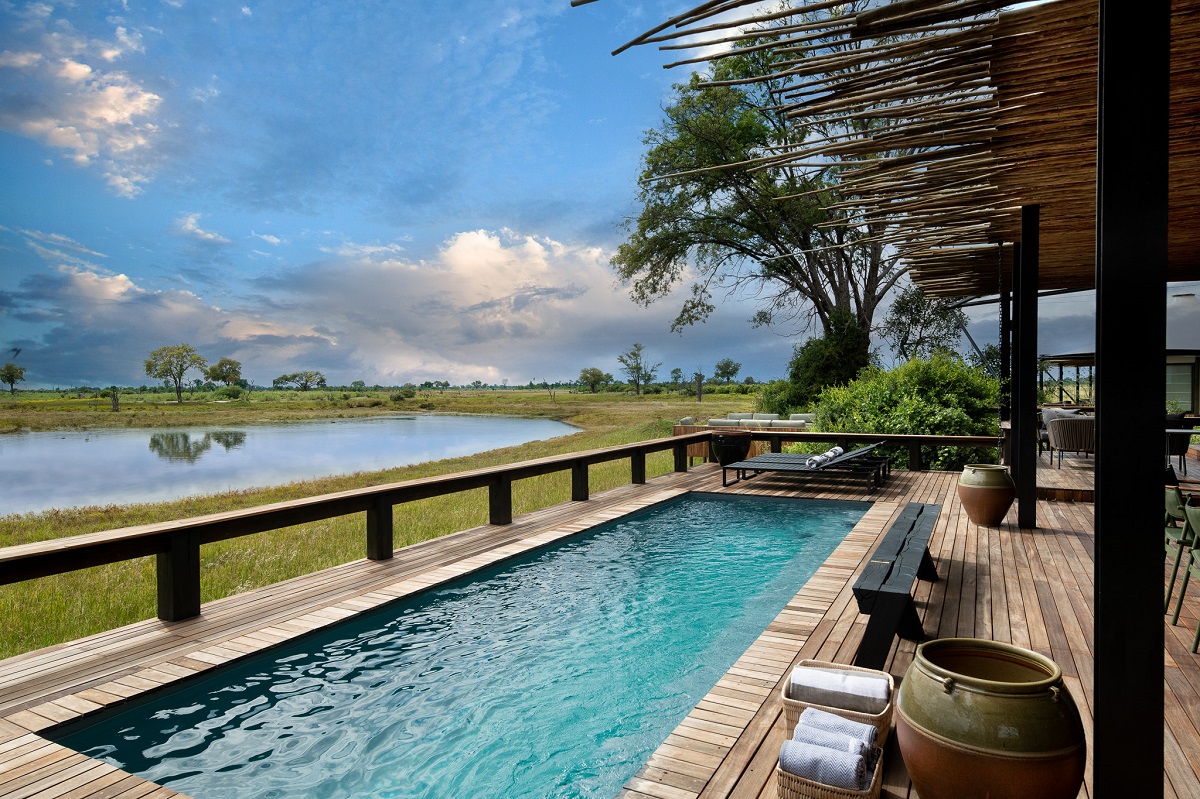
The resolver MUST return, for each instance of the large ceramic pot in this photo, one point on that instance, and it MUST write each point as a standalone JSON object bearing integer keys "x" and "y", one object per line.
{"x": 987, "y": 492}
{"x": 730, "y": 447}
{"x": 983, "y": 719}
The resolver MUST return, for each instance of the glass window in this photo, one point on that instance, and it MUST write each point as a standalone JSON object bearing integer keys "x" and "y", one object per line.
{"x": 1179, "y": 386}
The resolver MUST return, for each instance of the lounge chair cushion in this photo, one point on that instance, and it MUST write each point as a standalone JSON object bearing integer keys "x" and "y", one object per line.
{"x": 722, "y": 423}
{"x": 740, "y": 416}
{"x": 766, "y": 417}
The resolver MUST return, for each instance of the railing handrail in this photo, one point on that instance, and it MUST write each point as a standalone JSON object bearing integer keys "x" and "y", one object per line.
{"x": 176, "y": 544}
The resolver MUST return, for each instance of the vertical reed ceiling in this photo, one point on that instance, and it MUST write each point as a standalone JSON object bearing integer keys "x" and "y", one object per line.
{"x": 964, "y": 112}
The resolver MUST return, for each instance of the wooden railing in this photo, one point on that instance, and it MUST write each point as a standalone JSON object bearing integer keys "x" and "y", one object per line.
{"x": 774, "y": 439}
{"x": 176, "y": 545}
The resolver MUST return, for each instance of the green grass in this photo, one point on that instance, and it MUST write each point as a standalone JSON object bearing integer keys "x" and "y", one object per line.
{"x": 51, "y": 610}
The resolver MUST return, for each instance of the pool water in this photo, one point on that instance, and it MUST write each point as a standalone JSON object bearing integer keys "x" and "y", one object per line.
{"x": 554, "y": 674}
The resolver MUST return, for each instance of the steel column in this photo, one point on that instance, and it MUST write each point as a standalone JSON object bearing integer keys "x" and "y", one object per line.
{"x": 1025, "y": 400}
{"x": 1131, "y": 256}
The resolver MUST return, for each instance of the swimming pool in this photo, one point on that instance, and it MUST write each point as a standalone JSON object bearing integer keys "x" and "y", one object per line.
{"x": 554, "y": 674}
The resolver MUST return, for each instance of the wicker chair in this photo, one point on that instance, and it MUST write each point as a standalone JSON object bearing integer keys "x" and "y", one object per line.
{"x": 1071, "y": 434}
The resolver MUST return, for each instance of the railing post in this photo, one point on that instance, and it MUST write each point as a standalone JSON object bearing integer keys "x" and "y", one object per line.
{"x": 179, "y": 578}
{"x": 579, "y": 481}
{"x": 914, "y": 456}
{"x": 776, "y": 443}
{"x": 637, "y": 467}
{"x": 379, "y": 531}
{"x": 500, "y": 500}
{"x": 681, "y": 457}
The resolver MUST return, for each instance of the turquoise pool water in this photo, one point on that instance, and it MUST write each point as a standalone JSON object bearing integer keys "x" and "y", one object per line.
{"x": 555, "y": 674}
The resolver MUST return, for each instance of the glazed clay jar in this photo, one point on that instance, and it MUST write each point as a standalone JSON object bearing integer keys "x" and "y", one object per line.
{"x": 986, "y": 492}
{"x": 982, "y": 719}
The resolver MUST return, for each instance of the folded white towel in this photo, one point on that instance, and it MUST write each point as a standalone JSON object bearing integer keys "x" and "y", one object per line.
{"x": 816, "y": 736}
{"x": 833, "y": 723}
{"x": 823, "y": 765}
{"x": 851, "y": 690}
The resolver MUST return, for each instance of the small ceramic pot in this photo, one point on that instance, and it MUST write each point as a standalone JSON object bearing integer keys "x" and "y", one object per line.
{"x": 987, "y": 492}
{"x": 982, "y": 719}
{"x": 730, "y": 447}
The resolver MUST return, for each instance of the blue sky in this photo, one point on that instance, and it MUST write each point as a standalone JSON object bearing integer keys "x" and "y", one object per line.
{"x": 385, "y": 191}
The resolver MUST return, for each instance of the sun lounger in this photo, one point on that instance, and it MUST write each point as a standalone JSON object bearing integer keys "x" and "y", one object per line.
{"x": 860, "y": 463}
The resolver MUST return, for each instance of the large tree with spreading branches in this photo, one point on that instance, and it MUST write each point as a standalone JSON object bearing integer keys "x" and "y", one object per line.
{"x": 753, "y": 228}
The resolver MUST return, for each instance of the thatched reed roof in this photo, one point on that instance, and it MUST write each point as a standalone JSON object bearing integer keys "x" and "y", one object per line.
{"x": 965, "y": 112}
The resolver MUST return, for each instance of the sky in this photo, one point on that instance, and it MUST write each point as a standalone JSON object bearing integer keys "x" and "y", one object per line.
{"x": 381, "y": 191}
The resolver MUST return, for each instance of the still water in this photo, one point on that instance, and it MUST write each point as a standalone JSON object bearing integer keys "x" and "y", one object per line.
{"x": 61, "y": 469}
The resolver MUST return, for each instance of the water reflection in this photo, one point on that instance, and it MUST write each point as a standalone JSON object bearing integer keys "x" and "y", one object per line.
{"x": 57, "y": 469}
{"x": 180, "y": 446}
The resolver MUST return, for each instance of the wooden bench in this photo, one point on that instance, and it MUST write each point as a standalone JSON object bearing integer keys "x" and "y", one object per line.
{"x": 884, "y": 589}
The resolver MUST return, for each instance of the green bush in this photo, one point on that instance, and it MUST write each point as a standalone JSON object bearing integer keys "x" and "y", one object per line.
{"x": 939, "y": 396}
{"x": 228, "y": 392}
{"x": 774, "y": 397}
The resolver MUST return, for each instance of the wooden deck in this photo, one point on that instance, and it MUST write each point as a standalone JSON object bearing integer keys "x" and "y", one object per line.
{"x": 1032, "y": 588}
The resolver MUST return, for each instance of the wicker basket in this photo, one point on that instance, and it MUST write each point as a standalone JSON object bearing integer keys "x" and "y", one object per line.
{"x": 882, "y": 722}
{"x": 790, "y": 786}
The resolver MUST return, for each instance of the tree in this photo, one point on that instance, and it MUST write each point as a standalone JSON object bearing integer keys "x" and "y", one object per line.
{"x": 226, "y": 370}
{"x": 639, "y": 370}
{"x": 301, "y": 380}
{"x": 359, "y": 385}
{"x": 677, "y": 378}
{"x": 726, "y": 370}
{"x": 12, "y": 374}
{"x": 917, "y": 326}
{"x": 594, "y": 378}
{"x": 831, "y": 360}
{"x": 171, "y": 362}
{"x": 737, "y": 227}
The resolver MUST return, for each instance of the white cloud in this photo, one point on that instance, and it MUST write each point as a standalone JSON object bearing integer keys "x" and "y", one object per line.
{"x": 268, "y": 238}
{"x": 189, "y": 225}
{"x": 96, "y": 114}
{"x": 20, "y": 60}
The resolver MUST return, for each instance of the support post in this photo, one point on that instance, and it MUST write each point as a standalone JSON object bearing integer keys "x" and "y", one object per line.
{"x": 681, "y": 457}
{"x": 637, "y": 467}
{"x": 1025, "y": 402}
{"x": 1131, "y": 270}
{"x": 1005, "y": 356}
{"x": 1018, "y": 419}
{"x": 579, "y": 481}
{"x": 380, "y": 544}
{"x": 914, "y": 457}
{"x": 179, "y": 578}
{"x": 500, "y": 500}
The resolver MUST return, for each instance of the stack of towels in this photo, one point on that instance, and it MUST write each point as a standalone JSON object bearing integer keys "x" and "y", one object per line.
{"x": 821, "y": 460}
{"x": 831, "y": 750}
{"x": 827, "y": 748}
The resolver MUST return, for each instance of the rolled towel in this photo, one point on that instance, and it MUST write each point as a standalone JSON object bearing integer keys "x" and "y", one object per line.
{"x": 821, "y": 460}
{"x": 831, "y": 740}
{"x": 833, "y": 723}
{"x": 851, "y": 690}
{"x": 823, "y": 765}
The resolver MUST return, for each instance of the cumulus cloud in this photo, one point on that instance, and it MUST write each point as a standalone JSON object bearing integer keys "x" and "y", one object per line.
{"x": 488, "y": 305}
{"x": 60, "y": 89}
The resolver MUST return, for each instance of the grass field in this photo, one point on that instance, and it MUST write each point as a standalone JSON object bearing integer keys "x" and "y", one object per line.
{"x": 50, "y": 610}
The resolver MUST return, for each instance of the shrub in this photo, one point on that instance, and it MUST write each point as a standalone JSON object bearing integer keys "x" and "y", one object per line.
{"x": 774, "y": 397}
{"x": 228, "y": 392}
{"x": 939, "y": 396}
